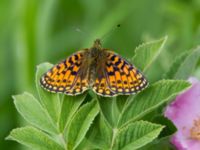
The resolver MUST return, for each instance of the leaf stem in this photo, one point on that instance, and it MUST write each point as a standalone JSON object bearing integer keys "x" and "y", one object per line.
{"x": 61, "y": 137}
{"x": 115, "y": 130}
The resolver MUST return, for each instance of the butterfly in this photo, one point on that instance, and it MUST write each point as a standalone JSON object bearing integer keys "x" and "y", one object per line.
{"x": 96, "y": 68}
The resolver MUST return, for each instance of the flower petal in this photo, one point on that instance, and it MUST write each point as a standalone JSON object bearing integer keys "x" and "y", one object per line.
{"x": 183, "y": 111}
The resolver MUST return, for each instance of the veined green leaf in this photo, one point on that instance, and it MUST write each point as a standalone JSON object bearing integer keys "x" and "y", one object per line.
{"x": 70, "y": 105}
{"x": 175, "y": 65}
{"x": 50, "y": 101}
{"x": 151, "y": 98}
{"x": 99, "y": 135}
{"x": 109, "y": 109}
{"x": 146, "y": 53}
{"x": 34, "y": 139}
{"x": 183, "y": 65}
{"x": 136, "y": 135}
{"x": 80, "y": 124}
{"x": 87, "y": 145}
{"x": 105, "y": 131}
{"x": 103, "y": 137}
{"x": 32, "y": 111}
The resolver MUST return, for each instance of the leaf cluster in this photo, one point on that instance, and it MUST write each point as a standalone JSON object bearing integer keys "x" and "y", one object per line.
{"x": 88, "y": 121}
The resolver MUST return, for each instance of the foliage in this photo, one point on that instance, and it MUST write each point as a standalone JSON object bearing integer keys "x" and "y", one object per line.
{"x": 34, "y": 31}
{"x": 184, "y": 64}
{"x": 92, "y": 122}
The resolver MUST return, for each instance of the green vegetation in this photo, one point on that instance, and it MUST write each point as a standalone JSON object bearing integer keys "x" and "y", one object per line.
{"x": 34, "y": 31}
{"x": 93, "y": 122}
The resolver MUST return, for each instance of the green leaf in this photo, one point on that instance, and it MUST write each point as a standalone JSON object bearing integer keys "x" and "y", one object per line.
{"x": 87, "y": 145}
{"x": 146, "y": 53}
{"x": 70, "y": 105}
{"x": 105, "y": 132}
{"x": 163, "y": 143}
{"x": 175, "y": 65}
{"x": 109, "y": 109}
{"x": 121, "y": 101}
{"x": 136, "y": 135}
{"x": 50, "y": 101}
{"x": 183, "y": 65}
{"x": 169, "y": 129}
{"x": 103, "y": 137}
{"x": 80, "y": 124}
{"x": 152, "y": 97}
{"x": 32, "y": 111}
{"x": 99, "y": 135}
{"x": 34, "y": 139}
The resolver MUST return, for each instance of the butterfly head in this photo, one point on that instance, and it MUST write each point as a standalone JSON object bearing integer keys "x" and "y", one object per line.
{"x": 96, "y": 48}
{"x": 97, "y": 44}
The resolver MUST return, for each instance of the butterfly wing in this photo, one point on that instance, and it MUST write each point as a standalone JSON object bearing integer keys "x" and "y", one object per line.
{"x": 67, "y": 76}
{"x": 122, "y": 77}
{"x": 101, "y": 87}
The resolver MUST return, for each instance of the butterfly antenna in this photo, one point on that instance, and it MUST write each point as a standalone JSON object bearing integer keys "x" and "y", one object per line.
{"x": 80, "y": 31}
{"x": 109, "y": 33}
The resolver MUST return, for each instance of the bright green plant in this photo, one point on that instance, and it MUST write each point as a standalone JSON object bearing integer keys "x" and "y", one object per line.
{"x": 88, "y": 121}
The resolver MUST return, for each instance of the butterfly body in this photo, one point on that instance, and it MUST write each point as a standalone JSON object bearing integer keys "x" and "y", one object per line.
{"x": 96, "y": 68}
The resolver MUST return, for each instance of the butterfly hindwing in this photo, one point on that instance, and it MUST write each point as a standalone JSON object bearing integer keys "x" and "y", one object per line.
{"x": 101, "y": 87}
{"x": 122, "y": 77}
{"x": 65, "y": 76}
{"x": 79, "y": 87}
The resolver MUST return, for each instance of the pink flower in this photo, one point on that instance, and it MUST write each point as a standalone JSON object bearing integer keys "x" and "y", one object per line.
{"x": 184, "y": 112}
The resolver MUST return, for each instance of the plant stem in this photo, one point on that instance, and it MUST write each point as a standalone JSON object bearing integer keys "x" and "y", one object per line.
{"x": 63, "y": 140}
{"x": 115, "y": 130}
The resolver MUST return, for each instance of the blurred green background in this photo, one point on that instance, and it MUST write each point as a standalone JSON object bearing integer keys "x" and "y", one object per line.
{"x": 36, "y": 31}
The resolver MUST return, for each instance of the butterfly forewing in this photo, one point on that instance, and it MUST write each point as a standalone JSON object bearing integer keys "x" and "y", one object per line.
{"x": 122, "y": 77}
{"x": 66, "y": 77}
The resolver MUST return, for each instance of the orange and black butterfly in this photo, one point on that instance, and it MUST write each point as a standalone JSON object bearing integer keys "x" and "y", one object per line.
{"x": 96, "y": 68}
